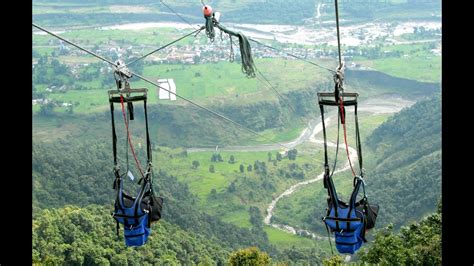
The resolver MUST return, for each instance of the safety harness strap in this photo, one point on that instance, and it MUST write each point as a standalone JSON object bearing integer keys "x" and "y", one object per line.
{"x": 358, "y": 143}
{"x": 328, "y": 183}
{"x": 326, "y": 162}
{"x": 114, "y": 134}
{"x": 148, "y": 142}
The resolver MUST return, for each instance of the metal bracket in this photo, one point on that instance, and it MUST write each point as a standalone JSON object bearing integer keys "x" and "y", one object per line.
{"x": 339, "y": 82}
{"x": 122, "y": 74}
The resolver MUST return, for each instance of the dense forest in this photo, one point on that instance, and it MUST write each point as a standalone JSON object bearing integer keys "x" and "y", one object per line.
{"x": 415, "y": 244}
{"x": 85, "y": 236}
{"x": 82, "y": 175}
{"x": 405, "y": 175}
{"x": 402, "y": 158}
{"x": 70, "y": 172}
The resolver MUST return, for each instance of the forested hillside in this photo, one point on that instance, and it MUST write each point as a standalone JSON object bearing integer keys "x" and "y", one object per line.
{"x": 86, "y": 236}
{"x": 81, "y": 174}
{"x": 402, "y": 158}
{"x": 405, "y": 169}
{"x": 416, "y": 244}
{"x": 71, "y": 172}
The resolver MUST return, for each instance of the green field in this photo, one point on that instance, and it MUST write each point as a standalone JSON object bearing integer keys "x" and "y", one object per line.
{"x": 416, "y": 62}
{"x": 233, "y": 207}
{"x": 240, "y": 218}
{"x": 200, "y": 180}
{"x": 427, "y": 69}
{"x": 90, "y": 37}
{"x": 205, "y": 83}
{"x": 287, "y": 240}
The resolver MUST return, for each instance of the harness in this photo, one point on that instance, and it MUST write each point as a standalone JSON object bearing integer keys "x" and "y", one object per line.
{"x": 348, "y": 221}
{"x": 135, "y": 213}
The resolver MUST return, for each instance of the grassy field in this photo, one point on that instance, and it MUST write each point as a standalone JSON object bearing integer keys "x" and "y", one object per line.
{"x": 240, "y": 218}
{"x": 427, "y": 69}
{"x": 90, "y": 37}
{"x": 205, "y": 83}
{"x": 287, "y": 240}
{"x": 233, "y": 206}
{"x": 416, "y": 63}
{"x": 200, "y": 180}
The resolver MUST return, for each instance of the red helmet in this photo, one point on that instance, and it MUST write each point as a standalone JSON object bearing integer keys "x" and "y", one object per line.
{"x": 207, "y": 10}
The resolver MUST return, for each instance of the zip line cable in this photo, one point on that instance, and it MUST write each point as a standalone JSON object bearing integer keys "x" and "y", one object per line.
{"x": 73, "y": 44}
{"x": 341, "y": 97}
{"x": 157, "y": 85}
{"x": 211, "y": 111}
{"x": 292, "y": 55}
{"x": 178, "y": 15}
{"x": 338, "y": 34}
{"x": 166, "y": 45}
{"x": 266, "y": 82}
{"x": 258, "y": 42}
{"x": 285, "y": 99}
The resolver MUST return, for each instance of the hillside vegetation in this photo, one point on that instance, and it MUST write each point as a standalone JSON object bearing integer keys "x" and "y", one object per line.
{"x": 66, "y": 173}
{"x": 405, "y": 168}
{"x": 402, "y": 157}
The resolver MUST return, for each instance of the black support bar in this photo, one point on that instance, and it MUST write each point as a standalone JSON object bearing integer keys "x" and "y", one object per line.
{"x": 328, "y": 98}
{"x": 116, "y": 99}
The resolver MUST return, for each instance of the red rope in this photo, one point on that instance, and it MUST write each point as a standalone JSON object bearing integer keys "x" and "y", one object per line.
{"x": 345, "y": 134}
{"x": 129, "y": 138}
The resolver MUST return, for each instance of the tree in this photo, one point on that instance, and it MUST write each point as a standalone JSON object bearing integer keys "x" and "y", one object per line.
{"x": 242, "y": 168}
{"x": 216, "y": 157}
{"x": 255, "y": 217}
{"x": 231, "y": 187}
{"x": 195, "y": 164}
{"x": 334, "y": 260}
{"x": 47, "y": 109}
{"x": 249, "y": 256}
{"x": 416, "y": 244}
{"x": 213, "y": 193}
{"x": 269, "y": 156}
{"x": 292, "y": 154}
{"x": 85, "y": 236}
{"x": 278, "y": 156}
{"x": 212, "y": 169}
{"x": 70, "y": 109}
{"x": 262, "y": 168}
{"x": 232, "y": 159}
{"x": 249, "y": 168}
